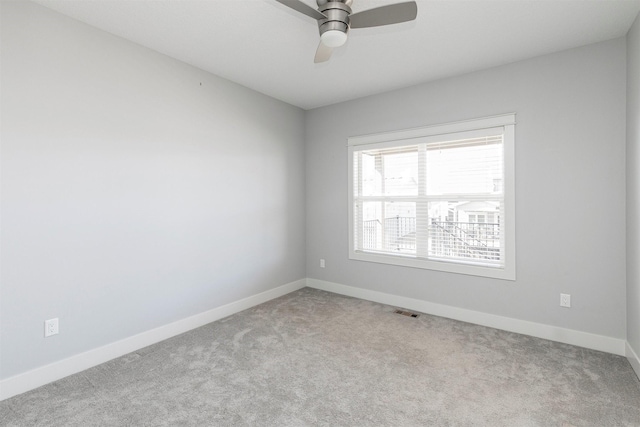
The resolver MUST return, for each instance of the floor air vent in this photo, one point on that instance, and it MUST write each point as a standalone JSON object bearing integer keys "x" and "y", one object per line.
{"x": 406, "y": 313}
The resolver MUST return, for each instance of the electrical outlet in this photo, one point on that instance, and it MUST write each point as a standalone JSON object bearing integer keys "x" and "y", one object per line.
{"x": 565, "y": 300}
{"x": 321, "y": 263}
{"x": 50, "y": 327}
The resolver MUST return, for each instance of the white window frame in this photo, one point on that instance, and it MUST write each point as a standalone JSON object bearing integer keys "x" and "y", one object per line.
{"x": 412, "y": 136}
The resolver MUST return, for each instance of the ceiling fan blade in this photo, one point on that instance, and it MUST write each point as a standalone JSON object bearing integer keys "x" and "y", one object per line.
{"x": 297, "y": 5}
{"x": 385, "y": 15}
{"x": 323, "y": 53}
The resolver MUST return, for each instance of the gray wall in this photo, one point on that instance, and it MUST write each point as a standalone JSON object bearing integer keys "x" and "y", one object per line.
{"x": 570, "y": 187}
{"x": 633, "y": 186}
{"x": 136, "y": 190}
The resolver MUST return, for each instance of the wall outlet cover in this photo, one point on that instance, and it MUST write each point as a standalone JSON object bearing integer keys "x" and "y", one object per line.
{"x": 51, "y": 327}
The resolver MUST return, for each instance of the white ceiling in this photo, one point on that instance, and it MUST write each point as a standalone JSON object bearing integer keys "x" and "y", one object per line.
{"x": 263, "y": 45}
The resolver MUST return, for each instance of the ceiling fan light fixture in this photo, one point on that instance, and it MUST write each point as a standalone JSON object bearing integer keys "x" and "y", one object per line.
{"x": 333, "y": 38}
{"x": 335, "y": 18}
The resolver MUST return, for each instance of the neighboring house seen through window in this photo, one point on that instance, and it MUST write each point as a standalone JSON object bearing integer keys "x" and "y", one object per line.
{"x": 439, "y": 197}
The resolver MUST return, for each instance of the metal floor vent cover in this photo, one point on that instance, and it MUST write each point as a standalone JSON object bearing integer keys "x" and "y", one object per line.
{"x": 406, "y": 313}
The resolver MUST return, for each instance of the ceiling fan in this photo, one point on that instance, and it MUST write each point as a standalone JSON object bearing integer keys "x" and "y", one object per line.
{"x": 334, "y": 20}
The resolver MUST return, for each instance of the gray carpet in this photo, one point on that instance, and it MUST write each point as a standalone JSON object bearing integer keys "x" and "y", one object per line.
{"x": 316, "y": 358}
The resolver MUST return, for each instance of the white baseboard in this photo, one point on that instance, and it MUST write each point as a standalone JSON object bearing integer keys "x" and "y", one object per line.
{"x": 40, "y": 376}
{"x": 553, "y": 333}
{"x": 633, "y": 359}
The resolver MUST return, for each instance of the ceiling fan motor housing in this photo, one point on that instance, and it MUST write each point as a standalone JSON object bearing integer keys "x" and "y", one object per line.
{"x": 335, "y": 17}
{"x": 337, "y": 13}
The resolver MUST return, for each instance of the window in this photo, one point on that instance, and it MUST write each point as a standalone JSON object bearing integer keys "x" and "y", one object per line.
{"x": 440, "y": 197}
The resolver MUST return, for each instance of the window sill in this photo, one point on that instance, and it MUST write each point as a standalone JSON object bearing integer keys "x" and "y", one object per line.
{"x": 449, "y": 267}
